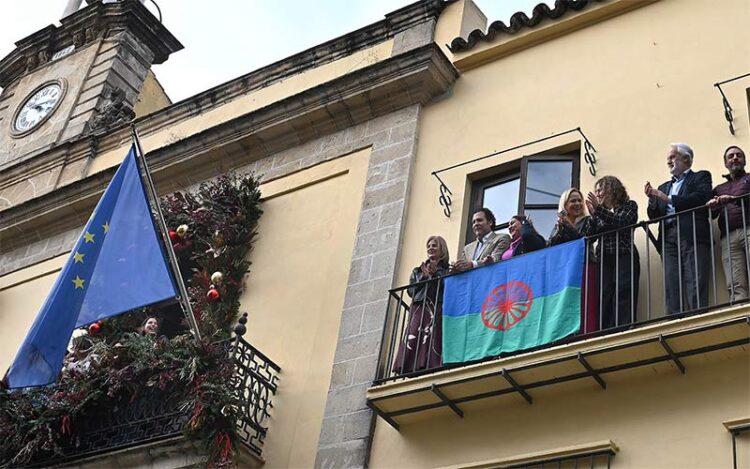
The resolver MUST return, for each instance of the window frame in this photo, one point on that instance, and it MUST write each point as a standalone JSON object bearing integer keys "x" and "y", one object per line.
{"x": 504, "y": 174}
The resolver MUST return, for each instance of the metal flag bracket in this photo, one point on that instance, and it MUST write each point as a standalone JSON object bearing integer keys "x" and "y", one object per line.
{"x": 589, "y": 156}
{"x": 728, "y": 111}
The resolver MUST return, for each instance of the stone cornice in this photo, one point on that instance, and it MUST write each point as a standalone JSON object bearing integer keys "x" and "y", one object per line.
{"x": 394, "y": 23}
{"x": 416, "y": 76}
{"x": 327, "y": 52}
{"x": 96, "y": 21}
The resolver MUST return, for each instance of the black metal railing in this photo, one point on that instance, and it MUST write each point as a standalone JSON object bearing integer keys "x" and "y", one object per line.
{"x": 255, "y": 377}
{"x": 157, "y": 415}
{"x": 598, "y": 460}
{"x": 655, "y": 270}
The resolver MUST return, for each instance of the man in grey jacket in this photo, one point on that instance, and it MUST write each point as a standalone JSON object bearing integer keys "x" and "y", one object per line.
{"x": 488, "y": 246}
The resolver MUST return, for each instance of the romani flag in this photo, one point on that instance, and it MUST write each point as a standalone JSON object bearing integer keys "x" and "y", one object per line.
{"x": 118, "y": 264}
{"x": 513, "y": 305}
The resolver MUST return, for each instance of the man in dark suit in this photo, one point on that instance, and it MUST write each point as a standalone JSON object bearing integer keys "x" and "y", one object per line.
{"x": 685, "y": 238}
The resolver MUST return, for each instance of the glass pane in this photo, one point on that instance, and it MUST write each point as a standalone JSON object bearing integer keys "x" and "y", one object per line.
{"x": 544, "y": 220}
{"x": 502, "y": 199}
{"x": 547, "y": 180}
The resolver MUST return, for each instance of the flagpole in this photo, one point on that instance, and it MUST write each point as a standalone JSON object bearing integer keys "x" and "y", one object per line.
{"x": 184, "y": 299}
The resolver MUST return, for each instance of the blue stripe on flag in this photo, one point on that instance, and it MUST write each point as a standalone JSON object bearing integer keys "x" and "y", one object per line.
{"x": 546, "y": 272}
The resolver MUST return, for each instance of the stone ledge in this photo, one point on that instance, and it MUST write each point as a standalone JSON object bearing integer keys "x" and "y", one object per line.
{"x": 394, "y": 23}
{"x": 416, "y": 76}
{"x": 173, "y": 453}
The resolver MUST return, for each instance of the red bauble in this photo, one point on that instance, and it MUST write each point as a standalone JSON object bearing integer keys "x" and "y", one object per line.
{"x": 173, "y": 236}
{"x": 213, "y": 294}
{"x": 95, "y": 328}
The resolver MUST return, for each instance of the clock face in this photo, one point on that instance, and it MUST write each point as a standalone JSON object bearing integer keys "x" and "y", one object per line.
{"x": 38, "y": 107}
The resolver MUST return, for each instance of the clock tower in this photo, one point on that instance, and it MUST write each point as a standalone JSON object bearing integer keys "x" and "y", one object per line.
{"x": 68, "y": 81}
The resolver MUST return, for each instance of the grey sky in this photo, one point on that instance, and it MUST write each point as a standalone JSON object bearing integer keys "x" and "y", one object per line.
{"x": 224, "y": 39}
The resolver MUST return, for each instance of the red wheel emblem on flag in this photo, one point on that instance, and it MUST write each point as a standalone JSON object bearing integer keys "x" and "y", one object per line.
{"x": 506, "y": 305}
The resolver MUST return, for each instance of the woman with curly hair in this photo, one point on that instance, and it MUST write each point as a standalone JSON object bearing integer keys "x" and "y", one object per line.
{"x": 611, "y": 209}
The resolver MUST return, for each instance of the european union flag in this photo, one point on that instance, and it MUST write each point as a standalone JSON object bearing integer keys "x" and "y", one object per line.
{"x": 117, "y": 265}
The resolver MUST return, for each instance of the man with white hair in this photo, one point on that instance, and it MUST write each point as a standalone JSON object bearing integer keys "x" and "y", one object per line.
{"x": 686, "y": 245}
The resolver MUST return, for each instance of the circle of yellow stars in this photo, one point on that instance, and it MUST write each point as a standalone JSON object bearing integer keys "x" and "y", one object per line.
{"x": 79, "y": 257}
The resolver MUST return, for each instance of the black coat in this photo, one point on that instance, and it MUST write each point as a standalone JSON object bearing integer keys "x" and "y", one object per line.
{"x": 695, "y": 191}
{"x": 427, "y": 290}
{"x": 530, "y": 240}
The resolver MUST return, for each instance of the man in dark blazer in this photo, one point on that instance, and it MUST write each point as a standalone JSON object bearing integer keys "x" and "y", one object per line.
{"x": 686, "y": 245}
{"x": 487, "y": 248}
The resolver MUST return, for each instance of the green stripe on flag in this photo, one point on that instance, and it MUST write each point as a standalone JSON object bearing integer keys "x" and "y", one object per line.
{"x": 466, "y": 338}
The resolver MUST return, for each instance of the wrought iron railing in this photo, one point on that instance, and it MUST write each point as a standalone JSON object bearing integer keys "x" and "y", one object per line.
{"x": 157, "y": 415}
{"x": 598, "y": 460}
{"x": 255, "y": 377}
{"x": 649, "y": 287}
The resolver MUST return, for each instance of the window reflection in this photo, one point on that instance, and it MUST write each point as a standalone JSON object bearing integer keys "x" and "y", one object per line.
{"x": 544, "y": 220}
{"x": 546, "y": 180}
{"x": 502, "y": 199}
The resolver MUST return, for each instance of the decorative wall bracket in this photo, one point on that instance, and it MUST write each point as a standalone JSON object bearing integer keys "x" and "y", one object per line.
{"x": 589, "y": 156}
{"x": 728, "y": 115}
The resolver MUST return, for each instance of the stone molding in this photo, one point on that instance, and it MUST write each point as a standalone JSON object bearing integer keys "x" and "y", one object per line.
{"x": 347, "y": 422}
{"x": 416, "y": 76}
{"x": 395, "y": 23}
{"x": 112, "y": 112}
{"x": 377, "y": 107}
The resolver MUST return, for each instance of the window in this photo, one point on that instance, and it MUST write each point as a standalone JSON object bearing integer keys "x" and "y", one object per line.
{"x": 595, "y": 455}
{"x": 532, "y": 189}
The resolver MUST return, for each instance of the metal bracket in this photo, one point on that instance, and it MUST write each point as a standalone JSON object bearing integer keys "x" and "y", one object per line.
{"x": 384, "y": 416}
{"x": 520, "y": 390}
{"x": 589, "y": 153}
{"x": 591, "y": 371}
{"x": 447, "y": 401}
{"x": 589, "y": 156}
{"x": 445, "y": 197}
{"x": 671, "y": 354}
{"x": 728, "y": 111}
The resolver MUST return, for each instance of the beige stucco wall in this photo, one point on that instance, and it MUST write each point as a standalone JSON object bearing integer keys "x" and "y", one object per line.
{"x": 630, "y": 83}
{"x": 295, "y": 293}
{"x": 634, "y": 84}
{"x": 458, "y": 19}
{"x": 22, "y": 294}
{"x": 152, "y": 96}
{"x": 294, "y": 306}
{"x": 656, "y": 416}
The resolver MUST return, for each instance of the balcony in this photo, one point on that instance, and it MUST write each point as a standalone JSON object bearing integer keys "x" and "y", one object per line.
{"x": 135, "y": 432}
{"x": 639, "y": 335}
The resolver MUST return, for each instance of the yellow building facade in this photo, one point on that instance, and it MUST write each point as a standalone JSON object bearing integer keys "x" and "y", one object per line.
{"x": 356, "y": 140}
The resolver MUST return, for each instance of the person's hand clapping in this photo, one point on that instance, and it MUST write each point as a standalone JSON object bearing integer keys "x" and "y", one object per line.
{"x": 461, "y": 266}
{"x": 592, "y": 202}
{"x": 654, "y": 193}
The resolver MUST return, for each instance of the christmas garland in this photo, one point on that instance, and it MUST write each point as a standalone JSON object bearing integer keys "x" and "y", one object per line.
{"x": 212, "y": 230}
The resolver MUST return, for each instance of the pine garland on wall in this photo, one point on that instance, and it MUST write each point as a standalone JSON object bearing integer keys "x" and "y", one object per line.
{"x": 212, "y": 230}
